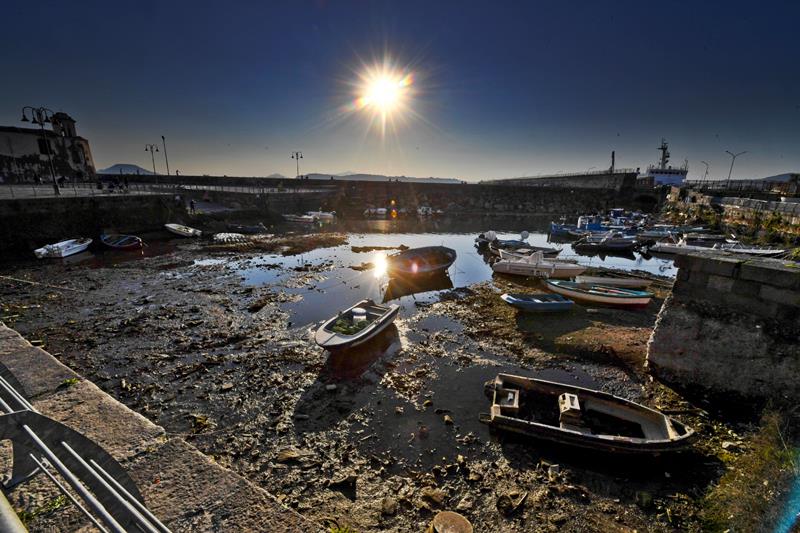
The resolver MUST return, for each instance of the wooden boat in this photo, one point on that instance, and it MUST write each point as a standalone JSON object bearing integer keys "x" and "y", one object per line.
{"x": 537, "y": 266}
{"x": 628, "y": 283}
{"x": 342, "y": 331}
{"x": 63, "y": 248}
{"x": 183, "y": 231}
{"x": 601, "y": 294}
{"x": 420, "y": 261}
{"x": 538, "y": 303}
{"x": 567, "y": 414}
{"x": 121, "y": 242}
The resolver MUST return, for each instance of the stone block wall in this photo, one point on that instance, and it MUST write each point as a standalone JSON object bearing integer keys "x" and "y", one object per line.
{"x": 731, "y": 326}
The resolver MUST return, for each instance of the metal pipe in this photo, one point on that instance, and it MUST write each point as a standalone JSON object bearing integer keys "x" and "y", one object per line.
{"x": 68, "y": 494}
{"x": 75, "y": 483}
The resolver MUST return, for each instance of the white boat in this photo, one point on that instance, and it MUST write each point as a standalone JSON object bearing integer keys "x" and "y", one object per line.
{"x": 183, "y": 231}
{"x": 537, "y": 266}
{"x": 682, "y": 248}
{"x": 303, "y": 219}
{"x": 322, "y": 215}
{"x": 355, "y": 325}
{"x": 630, "y": 283}
{"x": 524, "y": 253}
{"x": 601, "y": 294}
{"x": 63, "y": 248}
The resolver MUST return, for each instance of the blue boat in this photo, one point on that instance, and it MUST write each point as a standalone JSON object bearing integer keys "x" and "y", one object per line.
{"x": 538, "y": 303}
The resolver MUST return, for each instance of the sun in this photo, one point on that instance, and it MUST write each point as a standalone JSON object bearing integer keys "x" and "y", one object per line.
{"x": 383, "y": 93}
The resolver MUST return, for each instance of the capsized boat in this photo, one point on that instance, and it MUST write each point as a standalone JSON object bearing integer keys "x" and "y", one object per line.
{"x": 420, "y": 261}
{"x": 121, "y": 242}
{"x": 538, "y": 303}
{"x": 63, "y": 248}
{"x": 537, "y": 266}
{"x": 355, "y": 325}
{"x": 611, "y": 281}
{"x": 601, "y": 294}
{"x": 183, "y": 231}
{"x": 576, "y": 416}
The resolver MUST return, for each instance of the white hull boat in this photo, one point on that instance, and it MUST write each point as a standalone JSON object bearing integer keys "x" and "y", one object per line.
{"x": 601, "y": 294}
{"x": 183, "y": 231}
{"x": 355, "y": 325}
{"x": 63, "y": 248}
{"x": 737, "y": 248}
{"x": 536, "y": 266}
{"x": 322, "y": 215}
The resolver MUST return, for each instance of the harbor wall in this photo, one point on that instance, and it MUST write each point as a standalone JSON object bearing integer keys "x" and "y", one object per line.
{"x": 731, "y": 327}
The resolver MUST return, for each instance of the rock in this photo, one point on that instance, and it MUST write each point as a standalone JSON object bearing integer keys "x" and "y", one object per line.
{"x": 389, "y": 506}
{"x": 552, "y": 472}
{"x": 466, "y": 503}
{"x": 288, "y": 455}
{"x": 398, "y": 410}
{"x": 449, "y": 522}
{"x": 448, "y": 420}
{"x": 510, "y": 502}
{"x": 330, "y": 388}
{"x": 433, "y": 494}
{"x": 558, "y": 518}
{"x": 475, "y": 476}
{"x": 226, "y": 386}
{"x": 644, "y": 499}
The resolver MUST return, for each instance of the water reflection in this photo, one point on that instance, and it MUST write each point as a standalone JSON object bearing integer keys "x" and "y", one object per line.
{"x": 400, "y": 287}
{"x": 351, "y": 363}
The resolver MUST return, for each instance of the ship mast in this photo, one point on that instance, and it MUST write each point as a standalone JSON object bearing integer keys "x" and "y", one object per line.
{"x": 664, "y": 154}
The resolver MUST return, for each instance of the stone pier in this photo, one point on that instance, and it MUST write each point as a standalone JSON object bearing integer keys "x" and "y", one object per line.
{"x": 184, "y": 488}
{"x": 731, "y": 327}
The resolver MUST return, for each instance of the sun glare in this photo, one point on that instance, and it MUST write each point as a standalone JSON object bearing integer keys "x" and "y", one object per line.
{"x": 380, "y": 265}
{"x": 383, "y": 93}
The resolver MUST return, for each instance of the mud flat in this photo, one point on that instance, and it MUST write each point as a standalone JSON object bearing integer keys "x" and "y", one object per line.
{"x": 216, "y": 347}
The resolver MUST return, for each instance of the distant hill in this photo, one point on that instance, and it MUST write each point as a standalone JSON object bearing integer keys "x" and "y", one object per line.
{"x": 277, "y": 176}
{"x": 123, "y": 168}
{"x": 380, "y": 177}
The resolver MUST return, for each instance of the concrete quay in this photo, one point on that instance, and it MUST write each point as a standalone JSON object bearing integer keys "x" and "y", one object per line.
{"x": 184, "y": 488}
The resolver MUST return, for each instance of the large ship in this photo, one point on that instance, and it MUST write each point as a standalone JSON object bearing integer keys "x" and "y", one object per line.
{"x": 665, "y": 174}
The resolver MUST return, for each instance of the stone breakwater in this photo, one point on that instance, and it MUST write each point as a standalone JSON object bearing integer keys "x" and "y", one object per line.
{"x": 731, "y": 325}
{"x": 184, "y": 488}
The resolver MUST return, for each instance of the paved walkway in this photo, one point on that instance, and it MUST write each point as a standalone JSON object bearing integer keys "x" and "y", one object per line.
{"x": 184, "y": 488}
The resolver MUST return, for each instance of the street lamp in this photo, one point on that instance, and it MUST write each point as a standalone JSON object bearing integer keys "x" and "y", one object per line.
{"x": 166, "y": 159}
{"x": 733, "y": 160}
{"x": 39, "y": 116}
{"x": 297, "y": 156}
{"x": 152, "y": 148}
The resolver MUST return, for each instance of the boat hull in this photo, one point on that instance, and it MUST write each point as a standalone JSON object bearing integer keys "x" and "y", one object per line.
{"x": 541, "y": 270}
{"x": 538, "y": 303}
{"x": 62, "y": 249}
{"x": 122, "y": 242}
{"x": 601, "y": 294}
{"x": 332, "y": 341}
{"x": 183, "y": 231}
{"x": 659, "y": 433}
{"x": 628, "y": 283}
{"x": 426, "y": 261}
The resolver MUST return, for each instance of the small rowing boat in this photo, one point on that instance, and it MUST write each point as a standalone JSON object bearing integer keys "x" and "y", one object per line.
{"x": 628, "y": 283}
{"x": 121, "y": 242}
{"x": 302, "y": 219}
{"x": 585, "y": 418}
{"x": 323, "y": 215}
{"x": 521, "y": 253}
{"x": 63, "y": 248}
{"x": 601, "y": 294}
{"x": 183, "y": 231}
{"x": 538, "y": 303}
{"x": 355, "y": 325}
{"x": 420, "y": 261}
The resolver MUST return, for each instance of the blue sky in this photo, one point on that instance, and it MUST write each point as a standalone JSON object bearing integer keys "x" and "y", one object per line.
{"x": 500, "y": 89}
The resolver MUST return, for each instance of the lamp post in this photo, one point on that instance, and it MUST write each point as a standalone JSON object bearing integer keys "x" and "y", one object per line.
{"x": 166, "y": 159}
{"x": 39, "y": 116}
{"x": 152, "y": 148}
{"x": 297, "y": 156}
{"x": 733, "y": 160}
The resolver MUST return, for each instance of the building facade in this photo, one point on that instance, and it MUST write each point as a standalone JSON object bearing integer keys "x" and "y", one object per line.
{"x": 24, "y": 153}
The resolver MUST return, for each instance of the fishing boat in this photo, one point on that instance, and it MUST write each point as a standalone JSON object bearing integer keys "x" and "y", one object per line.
{"x": 538, "y": 303}
{"x": 536, "y": 265}
{"x": 183, "y": 231}
{"x": 576, "y": 416}
{"x": 601, "y": 294}
{"x": 355, "y": 325}
{"x": 610, "y": 281}
{"x": 420, "y": 261}
{"x": 121, "y": 242}
{"x": 63, "y": 248}
{"x": 683, "y": 248}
